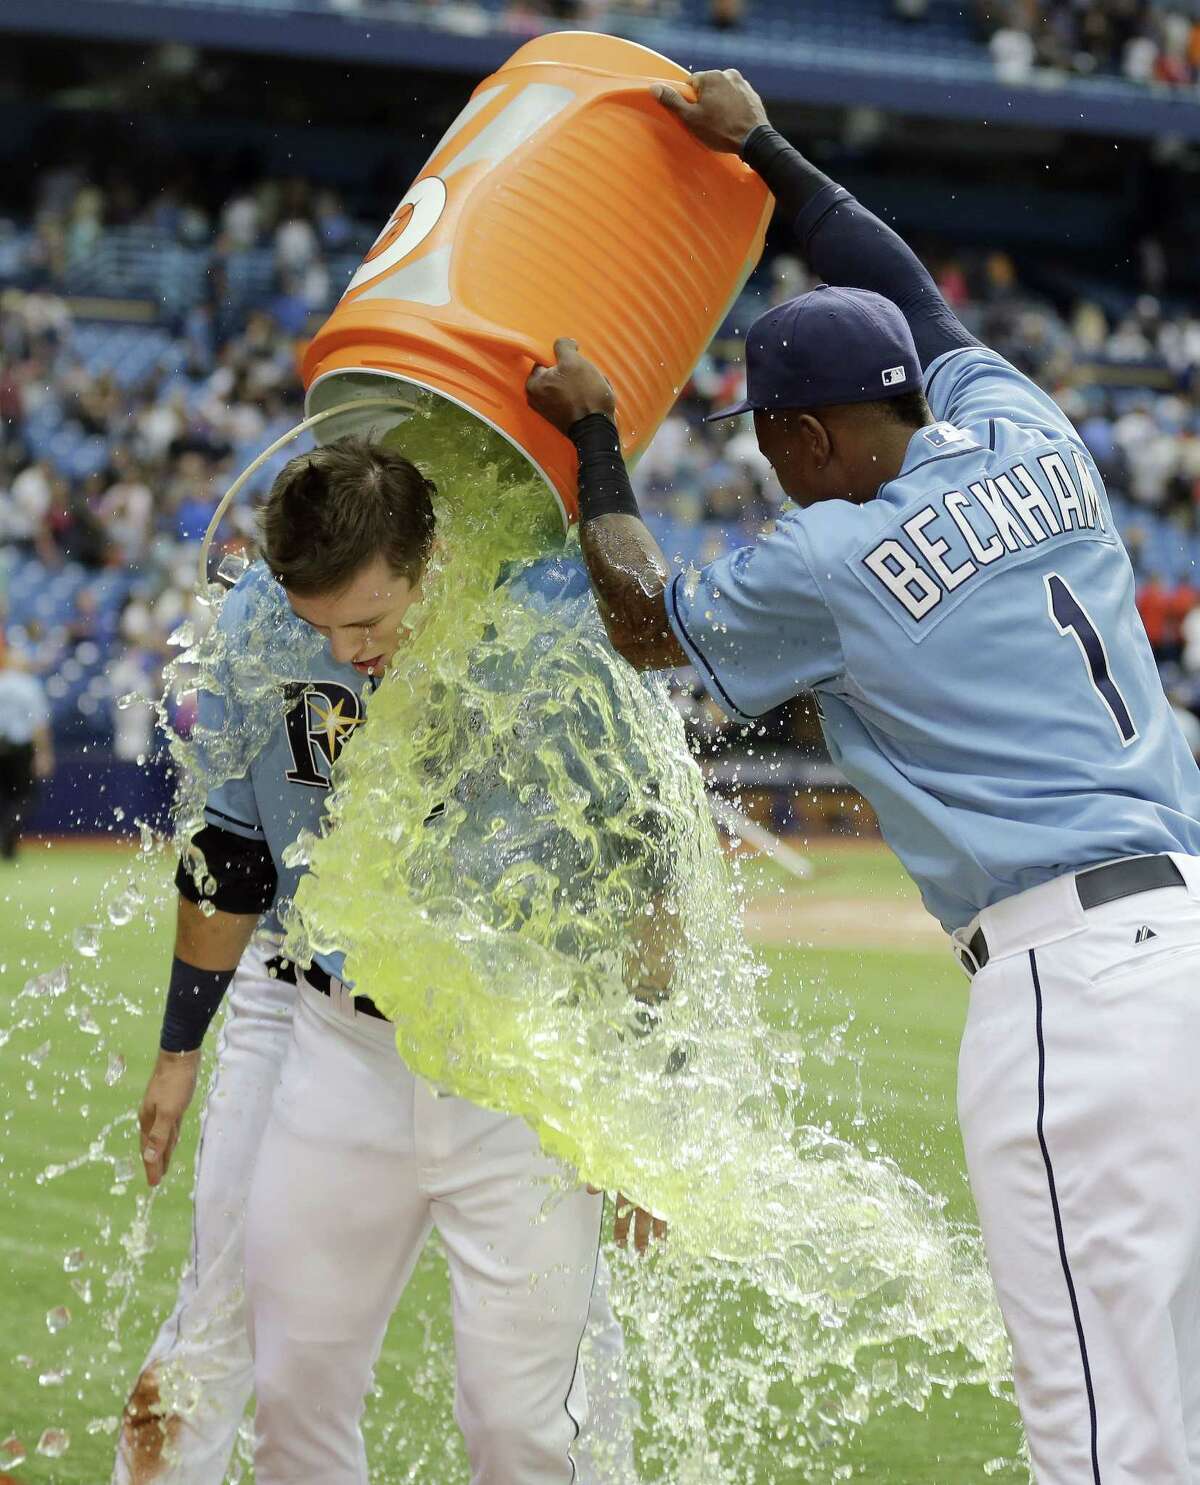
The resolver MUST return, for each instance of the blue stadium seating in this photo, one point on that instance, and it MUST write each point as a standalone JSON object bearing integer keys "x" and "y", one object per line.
{"x": 77, "y": 685}
{"x": 129, "y": 352}
{"x": 135, "y": 261}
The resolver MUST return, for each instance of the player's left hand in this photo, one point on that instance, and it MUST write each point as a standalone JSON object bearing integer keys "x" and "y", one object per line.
{"x": 570, "y": 390}
{"x": 726, "y": 112}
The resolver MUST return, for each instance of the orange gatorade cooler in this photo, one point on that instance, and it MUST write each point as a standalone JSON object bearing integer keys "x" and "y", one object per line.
{"x": 563, "y": 200}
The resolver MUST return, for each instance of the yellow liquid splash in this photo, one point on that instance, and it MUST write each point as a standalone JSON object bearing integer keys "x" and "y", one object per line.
{"x": 522, "y": 870}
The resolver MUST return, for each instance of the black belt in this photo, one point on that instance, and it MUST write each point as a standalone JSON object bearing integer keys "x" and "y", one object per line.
{"x": 1096, "y": 886}
{"x": 284, "y": 969}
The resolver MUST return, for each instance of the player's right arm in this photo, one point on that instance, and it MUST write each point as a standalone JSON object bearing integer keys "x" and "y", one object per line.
{"x": 226, "y": 880}
{"x": 207, "y": 951}
{"x": 217, "y": 913}
{"x": 844, "y": 243}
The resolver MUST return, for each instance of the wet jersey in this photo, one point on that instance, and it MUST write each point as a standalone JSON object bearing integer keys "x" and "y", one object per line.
{"x": 283, "y": 789}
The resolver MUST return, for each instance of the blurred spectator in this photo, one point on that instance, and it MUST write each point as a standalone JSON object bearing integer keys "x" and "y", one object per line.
{"x": 74, "y": 531}
{"x": 1154, "y": 603}
{"x": 726, "y": 15}
{"x": 240, "y": 223}
{"x": 126, "y": 509}
{"x": 334, "y": 227}
{"x": 26, "y": 747}
{"x": 1148, "y": 42}
{"x": 295, "y": 244}
{"x": 23, "y": 513}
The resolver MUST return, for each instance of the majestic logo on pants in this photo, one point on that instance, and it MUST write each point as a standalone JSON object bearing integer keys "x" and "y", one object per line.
{"x": 324, "y": 716}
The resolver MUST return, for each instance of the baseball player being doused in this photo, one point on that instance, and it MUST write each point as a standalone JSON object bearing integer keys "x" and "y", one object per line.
{"x": 354, "y": 1158}
{"x": 954, "y": 591}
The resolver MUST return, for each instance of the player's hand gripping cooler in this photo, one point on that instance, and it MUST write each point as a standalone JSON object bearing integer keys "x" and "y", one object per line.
{"x": 562, "y": 194}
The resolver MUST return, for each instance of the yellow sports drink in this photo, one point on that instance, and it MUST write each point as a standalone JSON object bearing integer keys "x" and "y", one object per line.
{"x": 563, "y": 200}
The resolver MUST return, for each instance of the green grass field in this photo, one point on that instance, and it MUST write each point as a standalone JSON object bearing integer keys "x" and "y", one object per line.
{"x": 63, "y": 1085}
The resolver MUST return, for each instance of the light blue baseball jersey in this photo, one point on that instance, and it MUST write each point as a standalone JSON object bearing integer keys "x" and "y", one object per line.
{"x": 284, "y": 788}
{"x": 971, "y": 636}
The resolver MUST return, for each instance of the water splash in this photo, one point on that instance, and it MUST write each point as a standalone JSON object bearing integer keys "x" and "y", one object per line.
{"x": 13, "y": 1452}
{"x": 808, "y": 1285}
{"x": 523, "y": 872}
{"x": 251, "y": 676}
{"x": 58, "y": 1319}
{"x": 54, "y": 1443}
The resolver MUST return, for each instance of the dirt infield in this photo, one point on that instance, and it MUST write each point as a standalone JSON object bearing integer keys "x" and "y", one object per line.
{"x": 804, "y": 920}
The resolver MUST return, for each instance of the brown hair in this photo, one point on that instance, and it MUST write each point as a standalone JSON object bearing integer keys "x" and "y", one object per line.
{"x": 336, "y": 509}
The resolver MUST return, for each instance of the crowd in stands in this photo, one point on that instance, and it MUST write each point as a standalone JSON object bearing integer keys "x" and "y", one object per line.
{"x": 536, "y": 15}
{"x": 116, "y": 441}
{"x": 1146, "y": 41}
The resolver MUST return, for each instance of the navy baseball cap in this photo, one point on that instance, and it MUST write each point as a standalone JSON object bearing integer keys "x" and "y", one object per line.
{"x": 830, "y": 345}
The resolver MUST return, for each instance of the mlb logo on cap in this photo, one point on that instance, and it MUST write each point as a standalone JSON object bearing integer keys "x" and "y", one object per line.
{"x": 829, "y": 346}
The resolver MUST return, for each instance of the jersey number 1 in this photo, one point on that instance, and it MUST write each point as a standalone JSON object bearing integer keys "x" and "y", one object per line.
{"x": 1070, "y": 617}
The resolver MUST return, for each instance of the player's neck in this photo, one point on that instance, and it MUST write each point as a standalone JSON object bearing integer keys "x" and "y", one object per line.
{"x": 881, "y": 462}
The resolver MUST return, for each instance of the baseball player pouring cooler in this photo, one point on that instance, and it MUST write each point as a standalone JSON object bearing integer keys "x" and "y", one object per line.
{"x": 954, "y": 591}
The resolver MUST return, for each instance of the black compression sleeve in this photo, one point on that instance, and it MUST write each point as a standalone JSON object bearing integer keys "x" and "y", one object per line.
{"x": 793, "y": 180}
{"x": 193, "y": 998}
{"x": 604, "y": 488}
{"x": 848, "y": 245}
{"x": 242, "y": 869}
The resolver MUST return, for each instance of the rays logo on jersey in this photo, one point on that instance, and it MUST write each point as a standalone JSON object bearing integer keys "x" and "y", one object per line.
{"x": 324, "y": 716}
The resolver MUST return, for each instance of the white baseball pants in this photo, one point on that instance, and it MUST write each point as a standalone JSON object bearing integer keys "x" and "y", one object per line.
{"x": 359, "y": 1161}
{"x": 1080, "y": 1108}
{"x": 201, "y": 1354}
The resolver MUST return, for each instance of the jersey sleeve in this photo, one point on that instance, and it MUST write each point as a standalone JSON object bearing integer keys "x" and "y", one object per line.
{"x": 756, "y": 625}
{"x": 971, "y": 385}
{"x": 242, "y": 873}
{"x": 232, "y": 807}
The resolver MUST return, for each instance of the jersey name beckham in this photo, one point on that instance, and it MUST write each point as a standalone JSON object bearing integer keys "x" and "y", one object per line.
{"x": 1036, "y": 499}
{"x": 972, "y": 639}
